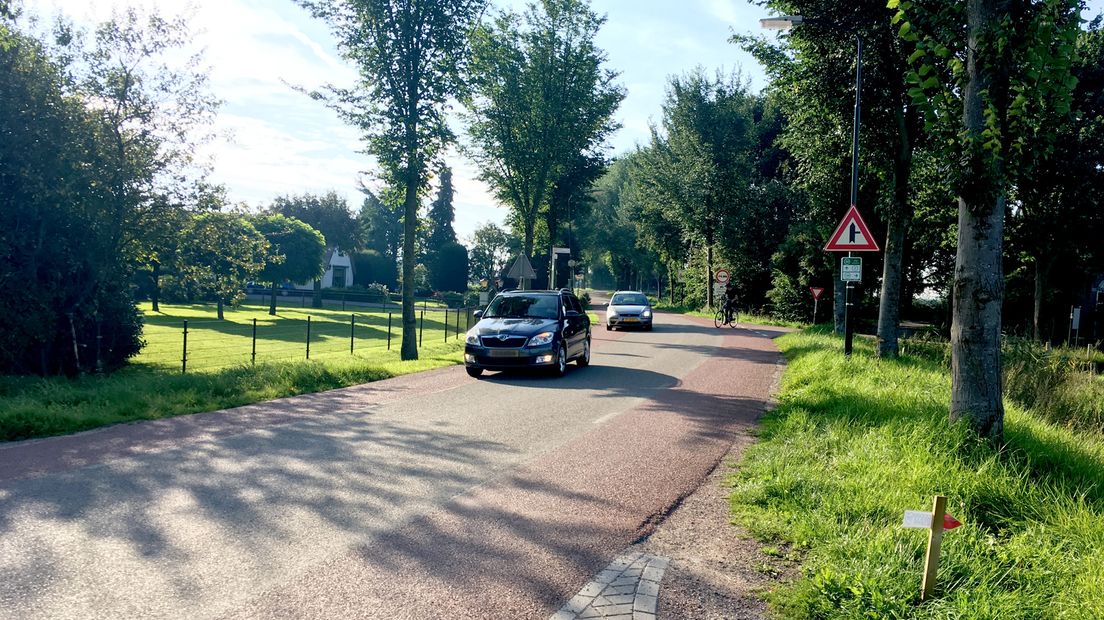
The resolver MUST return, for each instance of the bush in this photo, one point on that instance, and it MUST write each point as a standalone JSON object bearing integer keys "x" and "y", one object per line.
{"x": 789, "y": 300}
{"x": 452, "y": 300}
{"x": 584, "y": 299}
{"x": 371, "y": 267}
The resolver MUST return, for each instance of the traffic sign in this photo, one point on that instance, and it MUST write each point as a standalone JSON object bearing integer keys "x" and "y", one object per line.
{"x": 816, "y": 291}
{"x": 851, "y": 269}
{"x": 851, "y": 235}
{"x": 722, "y": 276}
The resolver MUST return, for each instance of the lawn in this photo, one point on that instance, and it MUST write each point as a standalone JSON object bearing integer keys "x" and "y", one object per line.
{"x": 220, "y": 372}
{"x": 855, "y": 442}
{"x": 214, "y": 344}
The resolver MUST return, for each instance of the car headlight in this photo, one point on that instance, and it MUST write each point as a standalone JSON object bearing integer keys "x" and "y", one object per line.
{"x": 541, "y": 339}
{"x": 473, "y": 336}
{"x": 611, "y": 311}
{"x": 646, "y": 314}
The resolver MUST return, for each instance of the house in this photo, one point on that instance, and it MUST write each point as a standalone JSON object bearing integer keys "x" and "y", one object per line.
{"x": 339, "y": 271}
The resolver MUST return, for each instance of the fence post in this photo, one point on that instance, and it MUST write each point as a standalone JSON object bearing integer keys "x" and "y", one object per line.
{"x": 184, "y": 358}
{"x": 446, "y": 324}
{"x": 308, "y": 336}
{"x": 457, "y": 333}
{"x": 421, "y": 324}
{"x": 352, "y": 331}
{"x": 388, "y": 331}
{"x": 254, "y": 357}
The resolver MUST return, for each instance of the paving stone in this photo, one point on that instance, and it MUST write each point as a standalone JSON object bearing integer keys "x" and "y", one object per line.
{"x": 563, "y": 614}
{"x": 641, "y": 615}
{"x": 645, "y": 603}
{"x": 659, "y": 562}
{"x": 592, "y": 589}
{"x": 621, "y": 582}
{"x": 607, "y": 576}
{"x": 648, "y": 588}
{"x": 601, "y": 602}
{"x": 591, "y": 612}
{"x": 614, "y": 610}
{"x": 625, "y": 589}
{"x": 652, "y": 574}
{"x": 620, "y": 599}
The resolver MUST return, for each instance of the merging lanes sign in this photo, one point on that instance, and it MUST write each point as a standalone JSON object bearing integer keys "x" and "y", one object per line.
{"x": 851, "y": 235}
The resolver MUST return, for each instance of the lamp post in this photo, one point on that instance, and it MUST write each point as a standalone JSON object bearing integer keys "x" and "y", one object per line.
{"x": 786, "y": 22}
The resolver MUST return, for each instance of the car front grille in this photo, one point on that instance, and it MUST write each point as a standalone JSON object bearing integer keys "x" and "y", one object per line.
{"x": 496, "y": 342}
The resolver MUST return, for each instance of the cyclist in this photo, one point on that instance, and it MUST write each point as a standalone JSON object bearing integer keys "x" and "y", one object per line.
{"x": 730, "y": 300}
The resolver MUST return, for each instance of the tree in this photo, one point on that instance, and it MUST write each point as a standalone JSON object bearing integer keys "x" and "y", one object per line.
{"x": 410, "y": 58}
{"x": 987, "y": 97}
{"x": 295, "y": 253}
{"x": 541, "y": 99}
{"x": 491, "y": 247}
{"x": 441, "y": 215}
{"x": 380, "y": 227}
{"x": 329, "y": 214}
{"x": 219, "y": 254}
{"x": 449, "y": 271}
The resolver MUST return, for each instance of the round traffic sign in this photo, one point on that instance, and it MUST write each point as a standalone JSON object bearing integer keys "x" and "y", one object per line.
{"x": 722, "y": 276}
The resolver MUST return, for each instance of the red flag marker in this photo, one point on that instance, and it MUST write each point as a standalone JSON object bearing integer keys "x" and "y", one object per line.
{"x": 949, "y": 522}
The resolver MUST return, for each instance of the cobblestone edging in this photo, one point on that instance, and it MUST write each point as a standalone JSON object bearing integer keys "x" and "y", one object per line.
{"x": 628, "y": 589}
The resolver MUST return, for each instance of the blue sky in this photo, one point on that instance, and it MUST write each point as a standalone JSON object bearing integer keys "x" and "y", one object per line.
{"x": 273, "y": 140}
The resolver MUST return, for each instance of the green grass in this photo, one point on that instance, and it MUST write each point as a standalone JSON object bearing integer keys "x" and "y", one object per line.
{"x": 220, "y": 373}
{"x": 855, "y": 442}
{"x": 214, "y": 344}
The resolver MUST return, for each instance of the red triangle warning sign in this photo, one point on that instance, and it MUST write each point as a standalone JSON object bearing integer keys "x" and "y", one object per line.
{"x": 851, "y": 235}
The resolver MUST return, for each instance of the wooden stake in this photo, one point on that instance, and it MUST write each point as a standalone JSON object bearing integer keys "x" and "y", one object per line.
{"x": 935, "y": 539}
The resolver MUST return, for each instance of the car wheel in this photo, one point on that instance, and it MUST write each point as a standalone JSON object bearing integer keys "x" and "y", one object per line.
{"x": 608, "y": 328}
{"x": 584, "y": 360}
{"x": 474, "y": 372}
{"x": 648, "y": 327}
{"x": 560, "y": 369}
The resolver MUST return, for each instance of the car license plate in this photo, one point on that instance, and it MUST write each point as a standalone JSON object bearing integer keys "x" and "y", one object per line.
{"x": 631, "y": 319}
{"x": 503, "y": 353}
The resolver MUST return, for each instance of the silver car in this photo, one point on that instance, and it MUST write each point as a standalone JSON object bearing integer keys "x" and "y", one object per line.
{"x": 629, "y": 309}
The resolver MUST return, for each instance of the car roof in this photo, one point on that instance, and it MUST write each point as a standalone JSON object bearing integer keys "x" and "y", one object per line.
{"x": 537, "y": 292}
{"x": 627, "y": 293}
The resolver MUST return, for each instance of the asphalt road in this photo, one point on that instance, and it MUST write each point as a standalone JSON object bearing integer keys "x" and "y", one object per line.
{"x": 427, "y": 496}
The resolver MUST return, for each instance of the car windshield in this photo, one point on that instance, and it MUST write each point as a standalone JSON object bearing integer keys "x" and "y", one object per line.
{"x": 629, "y": 299}
{"x": 524, "y": 307}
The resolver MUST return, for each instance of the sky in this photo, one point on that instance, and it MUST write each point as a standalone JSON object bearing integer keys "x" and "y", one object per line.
{"x": 273, "y": 140}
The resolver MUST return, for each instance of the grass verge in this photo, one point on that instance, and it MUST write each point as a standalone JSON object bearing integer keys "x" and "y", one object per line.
{"x": 855, "y": 442}
{"x": 37, "y": 407}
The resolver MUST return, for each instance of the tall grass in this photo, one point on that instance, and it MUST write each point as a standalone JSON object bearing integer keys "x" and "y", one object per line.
{"x": 855, "y": 442}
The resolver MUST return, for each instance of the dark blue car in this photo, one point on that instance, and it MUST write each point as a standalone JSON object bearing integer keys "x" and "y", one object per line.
{"x": 529, "y": 329}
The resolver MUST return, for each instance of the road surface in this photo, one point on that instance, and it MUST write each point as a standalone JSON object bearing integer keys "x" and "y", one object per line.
{"x": 426, "y": 496}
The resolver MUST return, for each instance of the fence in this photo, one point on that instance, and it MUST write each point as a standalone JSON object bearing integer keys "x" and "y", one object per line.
{"x": 203, "y": 344}
{"x": 344, "y": 299}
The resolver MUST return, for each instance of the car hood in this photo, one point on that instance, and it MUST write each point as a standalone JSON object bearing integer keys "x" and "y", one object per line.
{"x": 520, "y": 327}
{"x": 628, "y": 309}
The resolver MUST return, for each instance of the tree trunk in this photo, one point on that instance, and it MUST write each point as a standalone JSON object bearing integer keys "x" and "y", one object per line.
{"x": 316, "y": 300}
{"x": 1042, "y": 271}
{"x": 979, "y": 280}
{"x": 709, "y": 275}
{"x": 410, "y": 229}
{"x": 220, "y": 307}
{"x": 839, "y": 301}
{"x": 272, "y": 300}
{"x": 670, "y": 285}
{"x": 528, "y": 247}
{"x": 156, "y": 286}
{"x": 889, "y": 308}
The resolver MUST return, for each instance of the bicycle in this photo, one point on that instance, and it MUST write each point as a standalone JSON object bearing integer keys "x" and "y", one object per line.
{"x": 720, "y": 319}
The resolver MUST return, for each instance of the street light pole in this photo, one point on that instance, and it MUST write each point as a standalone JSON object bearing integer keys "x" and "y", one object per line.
{"x": 786, "y": 22}
{"x": 848, "y": 325}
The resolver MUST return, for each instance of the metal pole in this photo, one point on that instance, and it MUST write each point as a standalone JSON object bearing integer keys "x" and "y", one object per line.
{"x": 184, "y": 358}
{"x": 388, "y": 331}
{"x": 456, "y": 334}
{"x": 308, "y": 336}
{"x": 848, "y": 323}
{"x": 253, "y": 357}
{"x": 446, "y": 324}
{"x": 352, "y": 332}
{"x": 421, "y": 325}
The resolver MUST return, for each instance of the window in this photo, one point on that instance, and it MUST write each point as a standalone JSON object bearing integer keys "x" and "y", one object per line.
{"x": 629, "y": 299}
{"x": 338, "y": 277}
{"x": 524, "y": 306}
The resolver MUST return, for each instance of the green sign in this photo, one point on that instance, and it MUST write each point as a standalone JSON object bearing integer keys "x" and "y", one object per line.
{"x": 851, "y": 269}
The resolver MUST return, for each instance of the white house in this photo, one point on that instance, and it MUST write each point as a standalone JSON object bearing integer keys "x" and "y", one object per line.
{"x": 339, "y": 271}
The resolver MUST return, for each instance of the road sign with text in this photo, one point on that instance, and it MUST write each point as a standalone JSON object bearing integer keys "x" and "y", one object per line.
{"x": 851, "y": 269}
{"x": 851, "y": 235}
{"x": 722, "y": 276}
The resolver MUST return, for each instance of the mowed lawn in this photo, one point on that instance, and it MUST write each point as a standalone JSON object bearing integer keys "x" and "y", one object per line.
{"x": 215, "y": 344}
{"x": 220, "y": 371}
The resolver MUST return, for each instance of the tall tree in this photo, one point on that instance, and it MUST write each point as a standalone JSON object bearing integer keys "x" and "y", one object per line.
{"x": 441, "y": 215}
{"x": 541, "y": 99}
{"x": 410, "y": 57}
{"x": 491, "y": 247}
{"x": 295, "y": 252}
{"x": 380, "y": 227}
{"x": 987, "y": 96}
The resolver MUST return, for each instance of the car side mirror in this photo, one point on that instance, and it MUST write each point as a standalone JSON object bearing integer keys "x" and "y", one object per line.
{"x": 571, "y": 313}
{"x": 477, "y": 314}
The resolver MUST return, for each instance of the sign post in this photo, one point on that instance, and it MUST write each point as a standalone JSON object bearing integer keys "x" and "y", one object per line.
{"x": 521, "y": 271}
{"x": 935, "y": 522}
{"x": 851, "y": 235}
{"x": 817, "y": 292}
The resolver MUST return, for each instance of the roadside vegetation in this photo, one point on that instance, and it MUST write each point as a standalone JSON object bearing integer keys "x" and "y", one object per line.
{"x": 855, "y": 442}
